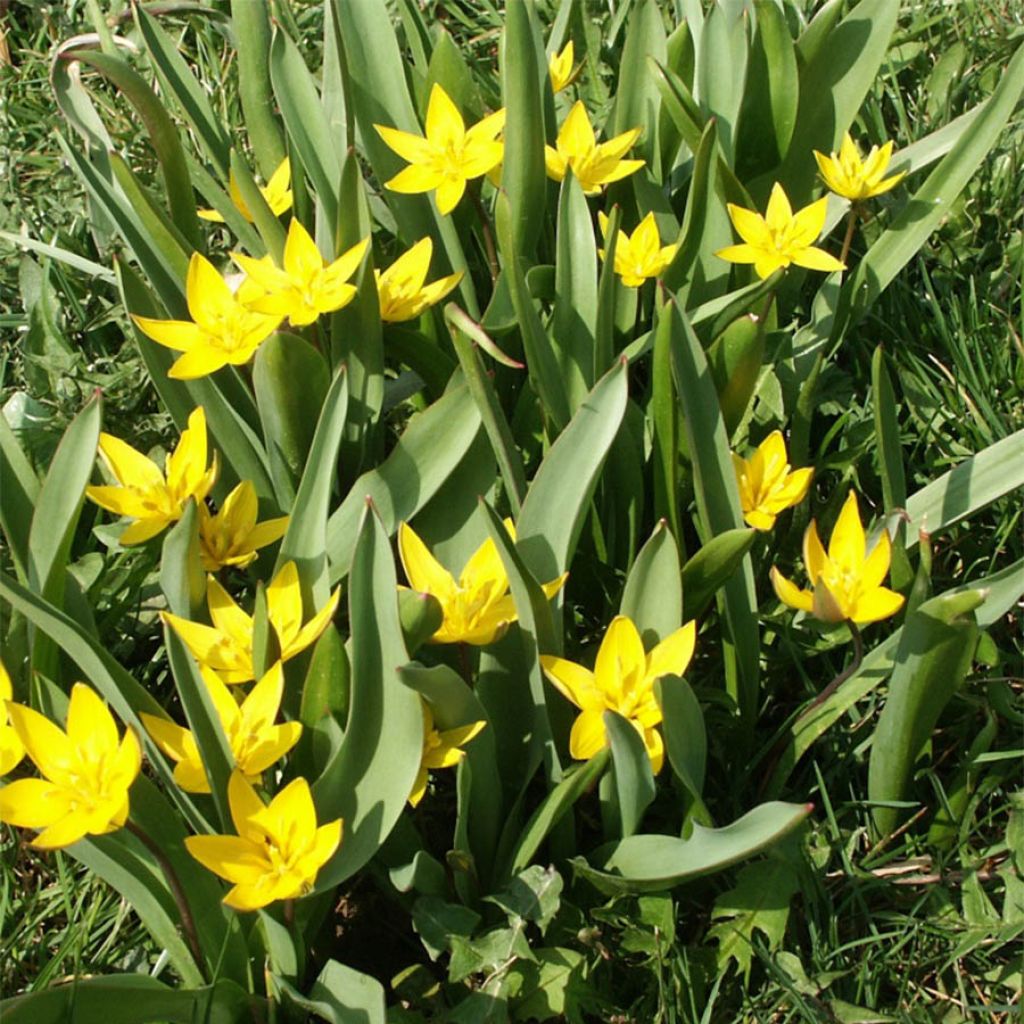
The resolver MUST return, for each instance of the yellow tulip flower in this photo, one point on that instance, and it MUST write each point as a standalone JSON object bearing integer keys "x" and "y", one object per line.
{"x": 847, "y": 581}
{"x": 623, "y": 681}
{"x": 593, "y": 165}
{"x": 277, "y": 193}
{"x": 231, "y": 536}
{"x": 478, "y": 608}
{"x": 255, "y": 741}
{"x": 441, "y": 749}
{"x": 780, "y": 237}
{"x": 86, "y": 773}
{"x": 854, "y": 178}
{"x": 641, "y": 255}
{"x": 560, "y": 67}
{"x": 12, "y": 750}
{"x": 143, "y": 492}
{"x": 449, "y": 155}
{"x": 306, "y": 286}
{"x": 226, "y": 646}
{"x": 223, "y": 330}
{"x": 402, "y": 292}
{"x": 766, "y": 484}
{"x": 278, "y": 851}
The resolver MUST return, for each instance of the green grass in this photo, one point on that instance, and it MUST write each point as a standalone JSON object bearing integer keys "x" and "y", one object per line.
{"x": 925, "y": 929}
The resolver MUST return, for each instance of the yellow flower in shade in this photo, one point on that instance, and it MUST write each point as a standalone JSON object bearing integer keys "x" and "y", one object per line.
{"x": 560, "y": 67}
{"x": 449, "y": 155}
{"x": 86, "y": 771}
{"x": 441, "y": 749}
{"x": 226, "y": 646}
{"x": 780, "y": 237}
{"x": 277, "y": 192}
{"x": 766, "y": 484}
{"x": 256, "y": 742}
{"x": 231, "y": 536}
{"x": 279, "y": 848}
{"x": 641, "y": 255}
{"x": 402, "y": 292}
{"x": 623, "y": 681}
{"x": 847, "y": 581}
{"x": 223, "y": 330}
{"x": 854, "y": 178}
{"x": 593, "y": 165}
{"x": 306, "y": 286}
{"x": 12, "y": 750}
{"x": 143, "y": 492}
{"x": 478, "y": 608}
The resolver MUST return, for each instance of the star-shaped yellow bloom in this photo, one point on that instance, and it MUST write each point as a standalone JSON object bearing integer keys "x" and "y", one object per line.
{"x": 847, "y": 581}
{"x": 854, "y": 178}
{"x": 306, "y": 286}
{"x": 593, "y": 165}
{"x": 223, "y": 330}
{"x": 143, "y": 492}
{"x": 641, "y": 255}
{"x": 560, "y": 66}
{"x": 278, "y": 851}
{"x": 623, "y": 681}
{"x": 402, "y": 291}
{"x": 231, "y": 536}
{"x": 255, "y": 741}
{"x": 12, "y": 750}
{"x": 766, "y": 485}
{"x": 441, "y": 749}
{"x": 86, "y": 772}
{"x": 449, "y": 155}
{"x": 478, "y": 608}
{"x": 277, "y": 192}
{"x": 780, "y": 237}
{"x": 226, "y": 646}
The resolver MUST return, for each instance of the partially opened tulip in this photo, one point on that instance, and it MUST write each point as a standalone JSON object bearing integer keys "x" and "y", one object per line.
{"x": 231, "y": 536}
{"x": 766, "y": 484}
{"x": 155, "y": 498}
{"x": 560, "y": 67}
{"x": 855, "y": 178}
{"x": 226, "y": 647}
{"x": 847, "y": 581}
{"x": 448, "y": 155}
{"x": 223, "y": 330}
{"x": 12, "y": 750}
{"x": 640, "y": 256}
{"x": 402, "y": 291}
{"x": 593, "y": 164}
{"x": 277, "y": 192}
{"x": 478, "y": 607}
{"x": 256, "y": 739}
{"x": 87, "y": 771}
{"x": 441, "y": 749}
{"x": 781, "y": 237}
{"x": 305, "y": 286}
{"x": 623, "y": 681}
{"x": 278, "y": 851}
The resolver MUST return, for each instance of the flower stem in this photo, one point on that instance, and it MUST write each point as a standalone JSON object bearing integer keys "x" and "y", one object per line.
{"x": 485, "y": 229}
{"x": 858, "y": 657}
{"x": 188, "y": 924}
{"x": 851, "y": 226}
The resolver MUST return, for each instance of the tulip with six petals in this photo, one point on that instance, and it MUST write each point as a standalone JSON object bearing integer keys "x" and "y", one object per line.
{"x": 766, "y": 484}
{"x": 402, "y": 291}
{"x": 442, "y": 748}
{"x": 847, "y": 581}
{"x": 639, "y": 256}
{"x": 87, "y": 772}
{"x": 855, "y": 178}
{"x": 623, "y": 681}
{"x": 277, "y": 192}
{"x": 155, "y": 498}
{"x": 231, "y": 536}
{"x": 279, "y": 848}
{"x": 593, "y": 165}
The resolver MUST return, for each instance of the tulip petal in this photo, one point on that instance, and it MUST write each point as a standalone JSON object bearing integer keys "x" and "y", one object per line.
{"x": 876, "y": 605}
{"x": 33, "y": 803}
{"x": 574, "y": 682}
{"x": 673, "y": 654}
{"x": 230, "y": 857}
{"x": 789, "y": 594}
{"x": 588, "y": 735}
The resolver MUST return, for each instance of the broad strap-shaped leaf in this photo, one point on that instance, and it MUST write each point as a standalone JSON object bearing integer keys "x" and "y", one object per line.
{"x": 369, "y": 781}
{"x": 653, "y": 595}
{"x": 652, "y": 863}
{"x": 631, "y": 772}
